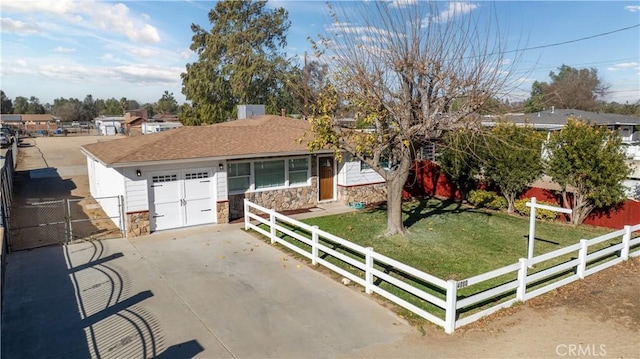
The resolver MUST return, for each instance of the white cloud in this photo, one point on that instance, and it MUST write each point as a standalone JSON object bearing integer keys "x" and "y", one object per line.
{"x": 348, "y": 28}
{"x": 454, "y": 9}
{"x": 109, "y": 17}
{"x": 624, "y": 66}
{"x": 632, "y": 8}
{"x": 64, "y": 50}
{"x": 401, "y": 3}
{"x": 186, "y": 54}
{"x": 18, "y": 27}
{"x": 146, "y": 53}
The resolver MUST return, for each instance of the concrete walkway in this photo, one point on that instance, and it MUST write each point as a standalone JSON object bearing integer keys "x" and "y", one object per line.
{"x": 212, "y": 291}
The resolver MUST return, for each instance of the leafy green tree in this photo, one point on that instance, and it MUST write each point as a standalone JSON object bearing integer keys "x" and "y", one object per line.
{"x": 240, "y": 60}
{"x": 570, "y": 88}
{"x": 6, "y": 105}
{"x": 461, "y": 153}
{"x": 109, "y": 107}
{"x": 89, "y": 108}
{"x": 513, "y": 159}
{"x": 167, "y": 104}
{"x": 34, "y": 106}
{"x": 399, "y": 70}
{"x": 124, "y": 105}
{"x": 589, "y": 162}
{"x": 21, "y": 105}
{"x": 536, "y": 102}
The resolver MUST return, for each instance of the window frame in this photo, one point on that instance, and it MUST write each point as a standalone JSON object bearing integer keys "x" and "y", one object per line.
{"x": 287, "y": 183}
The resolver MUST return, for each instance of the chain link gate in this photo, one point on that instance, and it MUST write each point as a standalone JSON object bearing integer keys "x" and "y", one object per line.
{"x": 63, "y": 221}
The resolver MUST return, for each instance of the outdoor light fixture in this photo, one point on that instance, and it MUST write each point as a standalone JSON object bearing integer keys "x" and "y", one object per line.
{"x": 221, "y": 166}
{"x": 138, "y": 173}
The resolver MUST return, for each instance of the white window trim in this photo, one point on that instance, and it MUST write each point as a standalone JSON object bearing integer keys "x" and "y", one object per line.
{"x": 287, "y": 185}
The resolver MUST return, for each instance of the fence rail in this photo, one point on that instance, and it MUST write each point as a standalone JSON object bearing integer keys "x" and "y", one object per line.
{"x": 432, "y": 294}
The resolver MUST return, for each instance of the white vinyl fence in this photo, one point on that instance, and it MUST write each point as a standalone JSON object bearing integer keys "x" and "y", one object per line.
{"x": 447, "y": 303}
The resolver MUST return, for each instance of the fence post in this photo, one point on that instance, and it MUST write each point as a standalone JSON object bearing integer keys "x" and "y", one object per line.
{"x": 532, "y": 228}
{"x": 522, "y": 280}
{"x": 272, "y": 225}
{"x": 368, "y": 266}
{"x": 69, "y": 219}
{"x": 123, "y": 222}
{"x": 451, "y": 310}
{"x": 582, "y": 259}
{"x": 246, "y": 213}
{"x": 314, "y": 245}
{"x": 626, "y": 243}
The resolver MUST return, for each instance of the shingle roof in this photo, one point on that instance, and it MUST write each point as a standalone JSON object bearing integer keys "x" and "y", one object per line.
{"x": 259, "y": 136}
{"x": 559, "y": 117}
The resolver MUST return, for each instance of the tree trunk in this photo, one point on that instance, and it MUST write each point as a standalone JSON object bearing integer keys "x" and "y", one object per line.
{"x": 511, "y": 202}
{"x": 395, "y": 184}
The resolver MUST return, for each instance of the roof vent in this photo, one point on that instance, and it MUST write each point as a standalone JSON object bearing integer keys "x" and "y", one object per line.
{"x": 553, "y": 109}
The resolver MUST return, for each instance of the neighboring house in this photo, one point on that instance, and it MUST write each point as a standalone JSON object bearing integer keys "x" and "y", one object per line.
{"x": 141, "y": 112}
{"x": 30, "y": 122}
{"x": 628, "y": 127}
{"x": 200, "y": 175}
{"x": 108, "y": 125}
{"x": 154, "y": 127}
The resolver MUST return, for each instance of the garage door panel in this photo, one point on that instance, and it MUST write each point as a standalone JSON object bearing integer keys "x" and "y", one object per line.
{"x": 199, "y": 211}
{"x": 167, "y": 215}
{"x": 197, "y": 185}
{"x": 182, "y": 198}
{"x": 166, "y": 188}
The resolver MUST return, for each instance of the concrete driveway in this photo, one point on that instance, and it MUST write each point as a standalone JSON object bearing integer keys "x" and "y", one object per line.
{"x": 212, "y": 291}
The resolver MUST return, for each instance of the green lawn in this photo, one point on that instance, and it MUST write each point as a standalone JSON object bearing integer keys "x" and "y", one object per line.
{"x": 452, "y": 241}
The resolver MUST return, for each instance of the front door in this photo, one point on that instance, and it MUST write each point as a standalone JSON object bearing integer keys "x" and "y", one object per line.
{"x": 325, "y": 170}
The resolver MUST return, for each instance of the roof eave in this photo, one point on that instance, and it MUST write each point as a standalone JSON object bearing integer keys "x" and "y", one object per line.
{"x": 210, "y": 158}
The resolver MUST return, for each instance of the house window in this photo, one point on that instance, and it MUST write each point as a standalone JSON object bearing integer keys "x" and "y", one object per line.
{"x": 164, "y": 178}
{"x": 197, "y": 175}
{"x": 239, "y": 176}
{"x": 428, "y": 151}
{"x": 298, "y": 171}
{"x": 384, "y": 163}
{"x": 269, "y": 174}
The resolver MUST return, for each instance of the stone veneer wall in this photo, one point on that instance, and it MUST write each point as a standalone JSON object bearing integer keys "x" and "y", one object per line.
{"x": 223, "y": 212}
{"x": 138, "y": 224}
{"x": 366, "y": 193}
{"x": 285, "y": 199}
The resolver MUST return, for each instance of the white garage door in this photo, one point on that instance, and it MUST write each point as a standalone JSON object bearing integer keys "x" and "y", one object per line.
{"x": 181, "y": 198}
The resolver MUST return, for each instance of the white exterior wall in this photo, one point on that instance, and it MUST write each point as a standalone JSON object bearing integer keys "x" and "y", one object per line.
{"x": 108, "y": 182}
{"x": 137, "y": 188}
{"x": 136, "y": 191}
{"x": 349, "y": 174}
{"x": 153, "y": 127}
{"x": 220, "y": 179}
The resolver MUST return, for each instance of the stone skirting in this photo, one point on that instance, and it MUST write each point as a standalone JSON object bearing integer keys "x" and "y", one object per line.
{"x": 285, "y": 199}
{"x": 223, "y": 212}
{"x": 371, "y": 193}
{"x": 138, "y": 224}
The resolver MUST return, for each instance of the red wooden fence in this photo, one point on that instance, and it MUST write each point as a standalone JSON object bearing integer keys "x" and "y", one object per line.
{"x": 427, "y": 179}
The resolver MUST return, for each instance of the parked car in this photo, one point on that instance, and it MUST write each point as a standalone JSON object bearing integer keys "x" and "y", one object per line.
{"x": 10, "y": 133}
{"x": 4, "y": 140}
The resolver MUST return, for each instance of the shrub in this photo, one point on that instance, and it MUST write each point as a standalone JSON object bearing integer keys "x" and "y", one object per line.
{"x": 523, "y": 210}
{"x": 486, "y": 199}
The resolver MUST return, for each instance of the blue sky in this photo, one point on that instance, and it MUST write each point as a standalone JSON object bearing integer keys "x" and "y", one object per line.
{"x": 137, "y": 49}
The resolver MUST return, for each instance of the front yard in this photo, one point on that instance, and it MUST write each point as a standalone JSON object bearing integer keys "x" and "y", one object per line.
{"x": 452, "y": 241}
{"x": 449, "y": 241}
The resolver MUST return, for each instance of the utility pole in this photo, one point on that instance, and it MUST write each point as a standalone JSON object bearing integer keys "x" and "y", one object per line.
{"x": 306, "y": 88}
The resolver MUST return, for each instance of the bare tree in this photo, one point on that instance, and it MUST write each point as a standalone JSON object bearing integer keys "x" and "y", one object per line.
{"x": 411, "y": 70}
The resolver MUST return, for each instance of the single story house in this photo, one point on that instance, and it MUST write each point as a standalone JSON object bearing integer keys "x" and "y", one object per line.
{"x": 109, "y": 125}
{"x": 197, "y": 175}
{"x": 627, "y": 127}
